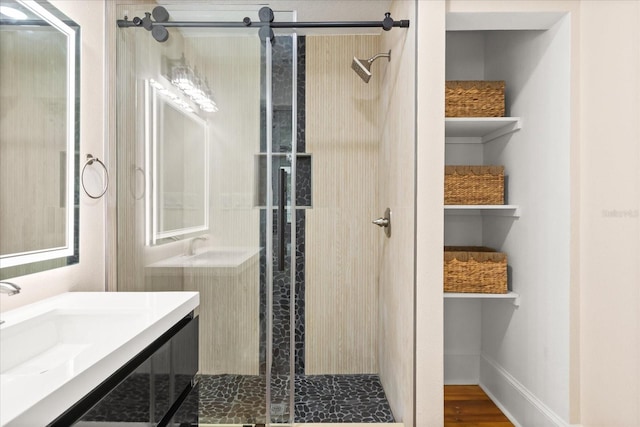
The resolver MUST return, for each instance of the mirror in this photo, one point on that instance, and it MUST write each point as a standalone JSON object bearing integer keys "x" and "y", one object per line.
{"x": 39, "y": 138}
{"x": 177, "y": 161}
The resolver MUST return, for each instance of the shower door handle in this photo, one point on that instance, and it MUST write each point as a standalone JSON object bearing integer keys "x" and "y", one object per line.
{"x": 384, "y": 222}
{"x": 282, "y": 217}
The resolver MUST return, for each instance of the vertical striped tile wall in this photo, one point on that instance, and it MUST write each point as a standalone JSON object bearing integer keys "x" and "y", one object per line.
{"x": 229, "y": 317}
{"x": 341, "y": 243}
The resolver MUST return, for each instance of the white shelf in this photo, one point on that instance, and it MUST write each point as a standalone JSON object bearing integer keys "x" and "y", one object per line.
{"x": 515, "y": 297}
{"x": 497, "y": 210}
{"x": 484, "y": 129}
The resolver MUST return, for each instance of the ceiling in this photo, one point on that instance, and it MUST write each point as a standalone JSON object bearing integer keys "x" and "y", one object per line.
{"x": 334, "y": 10}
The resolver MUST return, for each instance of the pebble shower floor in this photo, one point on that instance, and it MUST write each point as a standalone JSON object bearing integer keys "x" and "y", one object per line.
{"x": 239, "y": 399}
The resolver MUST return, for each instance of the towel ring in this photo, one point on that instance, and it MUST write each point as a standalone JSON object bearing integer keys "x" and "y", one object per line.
{"x": 138, "y": 170}
{"x": 90, "y": 160}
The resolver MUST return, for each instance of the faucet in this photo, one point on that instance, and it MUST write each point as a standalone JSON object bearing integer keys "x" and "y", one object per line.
{"x": 192, "y": 244}
{"x": 9, "y": 288}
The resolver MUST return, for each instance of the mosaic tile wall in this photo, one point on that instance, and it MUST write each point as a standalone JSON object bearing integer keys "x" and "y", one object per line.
{"x": 282, "y": 139}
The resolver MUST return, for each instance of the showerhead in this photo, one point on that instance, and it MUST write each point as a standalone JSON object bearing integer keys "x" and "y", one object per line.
{"x": 362, "y": 67}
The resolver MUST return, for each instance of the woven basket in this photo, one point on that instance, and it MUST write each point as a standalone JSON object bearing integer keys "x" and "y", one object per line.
{"x": 474, "y": 98}
{"x": 474, "y": 185}
{"x": 474, "y": 269}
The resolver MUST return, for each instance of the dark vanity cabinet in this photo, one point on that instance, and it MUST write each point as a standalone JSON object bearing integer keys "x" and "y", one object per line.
{"x": 155, "y": 388}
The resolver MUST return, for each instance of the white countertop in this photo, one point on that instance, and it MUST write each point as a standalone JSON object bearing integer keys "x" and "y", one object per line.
{"x": 57, "y": 350}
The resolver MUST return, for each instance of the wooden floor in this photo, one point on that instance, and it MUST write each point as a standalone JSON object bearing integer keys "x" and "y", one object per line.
{"x": 469, "y": 406}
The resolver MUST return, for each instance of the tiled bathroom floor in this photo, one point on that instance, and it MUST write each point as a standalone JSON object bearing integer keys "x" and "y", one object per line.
{"x": 239, "y": 399}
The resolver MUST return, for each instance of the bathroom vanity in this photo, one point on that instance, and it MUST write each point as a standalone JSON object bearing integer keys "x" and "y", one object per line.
{"x": 80, "y": 358}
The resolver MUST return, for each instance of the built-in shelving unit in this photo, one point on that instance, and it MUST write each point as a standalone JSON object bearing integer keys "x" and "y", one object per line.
{"x": 479, "y": 129}
{"x": 515, "y": 297}
{"x": 499, "y": 340}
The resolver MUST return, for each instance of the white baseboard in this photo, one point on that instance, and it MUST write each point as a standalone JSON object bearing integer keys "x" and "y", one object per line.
{"x": 525, "y": 409}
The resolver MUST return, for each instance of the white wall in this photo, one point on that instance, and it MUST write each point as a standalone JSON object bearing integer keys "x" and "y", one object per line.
{"x": 532, "y": 343}
{"x": 430, "y": 26}
{"x": 609, "y": 211}
{"x": 88, "y": 274}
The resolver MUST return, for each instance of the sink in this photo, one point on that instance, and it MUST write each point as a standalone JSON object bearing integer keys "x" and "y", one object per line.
{"x": 224, "y": 257}
{"x": 59, "y": 338}
{"x": 55, "y": 351}
{"x": 227, "y": 257}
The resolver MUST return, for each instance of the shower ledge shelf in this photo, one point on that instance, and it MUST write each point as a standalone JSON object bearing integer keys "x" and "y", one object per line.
{"x": 479, "y": 129}
{"x": 513, "y": 296}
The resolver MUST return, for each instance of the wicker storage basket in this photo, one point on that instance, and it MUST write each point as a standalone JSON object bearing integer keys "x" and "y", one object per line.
{"x": 474, "y": 98}
{"x": 473, "y": 185}
{"x": 474, "y": 269}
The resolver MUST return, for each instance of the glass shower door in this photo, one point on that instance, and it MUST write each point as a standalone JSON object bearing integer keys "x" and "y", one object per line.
{"x": 281, "y": 118}
{"x": 205, "y": 153}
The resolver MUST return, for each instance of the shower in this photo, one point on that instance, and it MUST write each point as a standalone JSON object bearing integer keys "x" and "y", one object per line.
{"x": 290, "y": 315}
{"x": 362, "y": 67}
